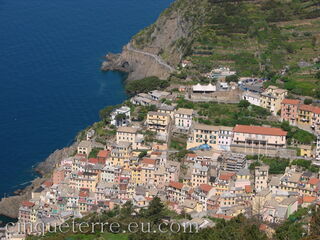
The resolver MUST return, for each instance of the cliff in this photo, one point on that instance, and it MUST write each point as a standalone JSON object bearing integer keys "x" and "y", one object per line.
{"x": 10, "y": 206}
{"x": 276, "y": 39}
{"x": 159, "y": 48}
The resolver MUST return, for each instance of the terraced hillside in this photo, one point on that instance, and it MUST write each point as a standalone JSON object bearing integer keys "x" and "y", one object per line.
{"x": 263, "y": 38}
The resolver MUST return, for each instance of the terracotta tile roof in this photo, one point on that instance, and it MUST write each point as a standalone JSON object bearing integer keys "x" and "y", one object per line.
{"x": 48, "y": 183}
{"x": 309, "y": 199}
{"x": 103, "y": 153}
{"x": 191, "y": 155}
{"x": 259, "y": 130}
{"x": 291, "y": 101}
{"x": 205, "y": 187}
{"x": 177, "y": 185}
{"x": 156, "y": 153}
{"x": 27, "y": 204}
{"x": 314, "y": 181}
{"x": 84, "y": 192}
{"x": 222, "y": 216}
{"x": 93, "y": 160}
{"x": 149, "y": 161}
{"x": 248, "y": 189}
{"x": 310, "y": 108}
{"x": 226, "y": 176}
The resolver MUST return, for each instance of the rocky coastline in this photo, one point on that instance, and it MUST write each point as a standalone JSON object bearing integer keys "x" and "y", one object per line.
{"x": 9, "y": 206}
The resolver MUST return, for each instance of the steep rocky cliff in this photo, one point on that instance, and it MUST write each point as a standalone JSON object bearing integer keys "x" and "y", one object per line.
{"x": 158, "y": 49}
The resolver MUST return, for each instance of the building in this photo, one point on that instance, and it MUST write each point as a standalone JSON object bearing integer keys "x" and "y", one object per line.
{"x": 168, "y": 109}
{"x": 225, "y": 137}
{"x": 120, "y": 153}
{"x": 120, "y": 116}
{"x": 251, "y": 97}
{"x": 289, "y": 110}
{"x": 305, "y": 151}
{"x": 261, "y": 178}
{"x": 58, "y": 176}
{"x": 318, "y": 148}
{"x": 203, "y": 134}
{"x": 84, "y": 147}
{"x": 158, "y": 95}
{"x": 183, "y": 118}
{"x": 128, "y": 134}
{"x": 258, "y": 140}
{"x": 232, "y": 162}
{"x": 158, "y": 122}
{"x": 272, "y": 98}
{"x": 309, "y": 115}
{"x": 204, "y": 88}
{"x": 199, "y": 175}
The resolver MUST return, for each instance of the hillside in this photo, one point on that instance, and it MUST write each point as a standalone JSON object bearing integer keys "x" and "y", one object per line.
{"x": 253, "y": 37}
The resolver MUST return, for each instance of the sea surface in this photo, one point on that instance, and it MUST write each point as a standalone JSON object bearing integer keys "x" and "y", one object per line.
{"x": 51, "y": 85}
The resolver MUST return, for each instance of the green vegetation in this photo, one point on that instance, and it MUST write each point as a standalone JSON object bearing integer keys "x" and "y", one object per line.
{"x": 145, "y": 85}
{"x": 212, "y": 113}
{"x": 94, "y": 152}
{"x": 252, "y": 37}
{"x": 276, "y": 165}
{"x": 237, "y": 228}
{"x": 306, "y": 164}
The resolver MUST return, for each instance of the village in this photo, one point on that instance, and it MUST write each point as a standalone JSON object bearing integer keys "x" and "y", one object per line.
{"x": 218, "y": 172}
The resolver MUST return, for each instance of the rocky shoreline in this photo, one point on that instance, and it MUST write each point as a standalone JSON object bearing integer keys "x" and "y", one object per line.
{"x": 9, "y": 206}
{"x": 137, "y": 63}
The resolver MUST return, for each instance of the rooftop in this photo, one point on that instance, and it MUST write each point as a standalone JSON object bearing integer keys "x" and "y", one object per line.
{"x": 259, "y": 130}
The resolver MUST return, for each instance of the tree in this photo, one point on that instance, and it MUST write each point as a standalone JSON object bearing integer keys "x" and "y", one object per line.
{"x": 232, "y": 78}
{"x": 143, "y": 154}
{"x": 317, "y": 75}
{"x": 127, "y": 209}
{"x": 307, "y": 101}
{"x": 243, "y": 104}
{"x": 154, "y": 212}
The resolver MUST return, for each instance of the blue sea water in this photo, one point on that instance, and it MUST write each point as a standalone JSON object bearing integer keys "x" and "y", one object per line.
{"x": 51, "y": 86}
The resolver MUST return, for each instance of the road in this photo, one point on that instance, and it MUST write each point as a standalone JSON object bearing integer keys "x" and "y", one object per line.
{"x": 155, "y": 57}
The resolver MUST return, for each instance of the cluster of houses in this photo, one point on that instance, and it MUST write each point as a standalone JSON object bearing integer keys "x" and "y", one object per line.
{"x": 213, "y": 179}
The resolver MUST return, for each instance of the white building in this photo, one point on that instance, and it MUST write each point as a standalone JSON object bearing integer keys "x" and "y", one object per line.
{"x": 183, "y": 118}
{"x": 318, "y": 148}
{"x": 204, "y": 88}
{"x": 251, "y": 97}
{"x": 108, "y": 173}
{"x": 158, "y": 95}
{"x": 124, "y": 111}
{"x": 225, "y": 136}
{"x": 261, "y": 178}
{"x": 221, "y": 72}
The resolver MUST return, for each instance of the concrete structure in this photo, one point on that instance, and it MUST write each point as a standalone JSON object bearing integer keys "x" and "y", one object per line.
{"x": 158, "y": 122}
{"x": 289, "y": 110}
{"x": 84, "y": 147}
{"x": 183, "y": 118}
{"x": 261, "y": 174}
{"x": 225, "y": 137}
{"x": 258, "y": 140}
{"x": 251, "y": 97}
{"x": 272, "y": 98}
{"x": 203, "y": 134}
{"x": 204, "y": 88}
{"x": 318, "y": 148}
{"x": 124, "y": 111}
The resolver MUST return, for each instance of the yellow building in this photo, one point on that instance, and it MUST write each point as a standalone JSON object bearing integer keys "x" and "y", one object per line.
{"x": 158, "y": 122}
{"x": 272, "y": 97}
{"x": 120, "y": 153}
{"x": 85, "y": 180}
{"x": 203, "y": 134}
{"x": 306, "y": 150}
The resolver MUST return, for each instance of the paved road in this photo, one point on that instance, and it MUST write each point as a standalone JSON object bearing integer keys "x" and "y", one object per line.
{"x": 155, "y": 57}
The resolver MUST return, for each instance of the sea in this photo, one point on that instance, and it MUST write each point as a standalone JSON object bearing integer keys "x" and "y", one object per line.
{"x": 51, "y": 86}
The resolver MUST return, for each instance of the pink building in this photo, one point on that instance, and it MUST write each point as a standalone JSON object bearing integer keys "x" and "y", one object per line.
{"x": 58, "y": 176}
{"x": 289, "y": 110}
